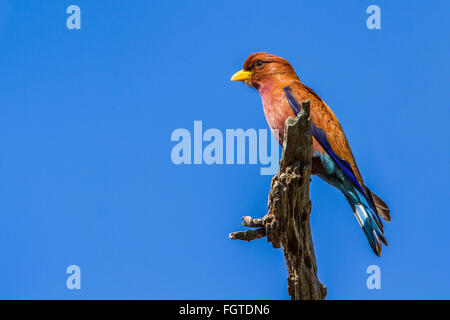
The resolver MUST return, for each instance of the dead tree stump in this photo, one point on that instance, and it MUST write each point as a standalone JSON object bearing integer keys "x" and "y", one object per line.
{"x": 286, "y": 225}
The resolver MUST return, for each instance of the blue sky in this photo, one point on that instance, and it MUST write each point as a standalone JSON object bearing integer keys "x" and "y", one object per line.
{"x": 86, "y": 118}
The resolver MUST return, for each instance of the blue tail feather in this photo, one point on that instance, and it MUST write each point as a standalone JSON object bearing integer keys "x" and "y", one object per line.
{"x": 369, "y": 222}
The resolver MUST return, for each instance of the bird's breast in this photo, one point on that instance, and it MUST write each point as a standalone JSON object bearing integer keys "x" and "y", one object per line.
{"x": 276, "y": 109}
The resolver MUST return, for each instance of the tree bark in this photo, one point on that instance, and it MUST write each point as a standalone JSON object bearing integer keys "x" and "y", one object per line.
{"x": 286, "y": 225}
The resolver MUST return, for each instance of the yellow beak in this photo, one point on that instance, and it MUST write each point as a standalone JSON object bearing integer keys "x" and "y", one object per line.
{"x": 241, "y": 75}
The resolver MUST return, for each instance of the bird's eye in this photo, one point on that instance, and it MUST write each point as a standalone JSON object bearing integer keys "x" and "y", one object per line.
{"x": 259, "y": 64}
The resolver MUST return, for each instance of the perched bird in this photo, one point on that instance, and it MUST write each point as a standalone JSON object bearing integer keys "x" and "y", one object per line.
{"x": 282, "y": 93}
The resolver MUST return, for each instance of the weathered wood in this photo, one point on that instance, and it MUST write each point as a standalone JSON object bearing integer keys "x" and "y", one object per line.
{"x": 286, "y": 225}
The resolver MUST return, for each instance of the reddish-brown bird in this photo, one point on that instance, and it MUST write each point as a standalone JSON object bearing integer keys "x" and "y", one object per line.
{"x": 282, "y": 92}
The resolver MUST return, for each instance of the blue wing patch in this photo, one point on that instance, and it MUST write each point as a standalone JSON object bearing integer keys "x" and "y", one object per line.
{"x": 321, "y": 137}
{"x": 295, "y": 105}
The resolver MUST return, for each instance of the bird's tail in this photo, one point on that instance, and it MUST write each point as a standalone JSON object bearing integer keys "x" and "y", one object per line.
{"x": 370, "y": 222}
{"x": 382, "y": 208}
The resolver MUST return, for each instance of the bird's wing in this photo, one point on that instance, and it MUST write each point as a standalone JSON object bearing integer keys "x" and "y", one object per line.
{"x": 326, "y": 130}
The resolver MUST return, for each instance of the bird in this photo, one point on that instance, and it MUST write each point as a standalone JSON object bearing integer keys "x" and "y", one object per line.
{"x": 281, "y": 93}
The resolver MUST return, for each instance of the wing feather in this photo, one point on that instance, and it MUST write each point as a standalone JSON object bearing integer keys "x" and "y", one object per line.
{"x": 331, "y": 143}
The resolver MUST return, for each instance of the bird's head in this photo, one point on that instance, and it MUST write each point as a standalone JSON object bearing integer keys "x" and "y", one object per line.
{"x": 261, "y": 68}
